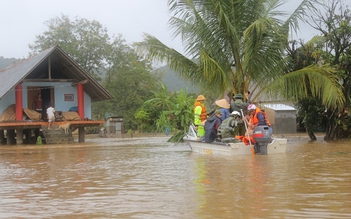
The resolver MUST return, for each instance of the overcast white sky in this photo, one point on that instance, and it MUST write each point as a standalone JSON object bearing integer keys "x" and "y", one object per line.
{"x": 22, "y": 20}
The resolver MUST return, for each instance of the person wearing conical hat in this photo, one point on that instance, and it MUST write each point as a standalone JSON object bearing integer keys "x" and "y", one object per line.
{"x": 224, "y": 108}
{"x": 200, "y": 115}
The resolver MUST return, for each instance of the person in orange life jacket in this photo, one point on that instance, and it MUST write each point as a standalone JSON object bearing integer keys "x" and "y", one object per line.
{"x": 200, "y": 115}
{"x": 224, "y": 108}
{"x": 211, "y": 126}
{"x": 258, "y": 118}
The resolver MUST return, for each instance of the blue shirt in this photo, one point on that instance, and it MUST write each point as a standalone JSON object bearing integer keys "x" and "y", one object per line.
{"x": 225, "y": 113}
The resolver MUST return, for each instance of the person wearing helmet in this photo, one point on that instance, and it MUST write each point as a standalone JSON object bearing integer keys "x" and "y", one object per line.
{"x": 200, "y": 116}
{"x": 229, "y": 127}
{"x": 258, "y": 118}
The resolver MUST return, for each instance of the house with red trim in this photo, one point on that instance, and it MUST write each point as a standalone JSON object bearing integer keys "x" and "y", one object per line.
{"x": 59, "y": 80}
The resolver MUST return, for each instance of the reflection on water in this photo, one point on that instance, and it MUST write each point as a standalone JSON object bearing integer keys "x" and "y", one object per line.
{"x": 150, "y": 178}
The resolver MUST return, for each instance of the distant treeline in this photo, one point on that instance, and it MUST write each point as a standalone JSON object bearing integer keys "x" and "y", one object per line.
{"x": 169, "y": 78}
{"x": 5, "y": 62}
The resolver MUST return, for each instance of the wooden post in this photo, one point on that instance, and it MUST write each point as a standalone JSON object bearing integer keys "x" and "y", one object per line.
{"x": 19, "y": 105}
{"x": 80, "y": 94}
{"x": 19, "y": 136}
{"x": 10, "y": 136}
{"x": 81, "y": 134}
{"x": 2, "y": 137}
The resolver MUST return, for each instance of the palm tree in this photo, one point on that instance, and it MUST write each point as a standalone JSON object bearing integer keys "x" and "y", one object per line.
{"x": 236, "y": 44}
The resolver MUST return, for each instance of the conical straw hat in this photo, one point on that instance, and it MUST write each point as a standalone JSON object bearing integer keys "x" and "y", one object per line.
{"x": 222, "y": 103}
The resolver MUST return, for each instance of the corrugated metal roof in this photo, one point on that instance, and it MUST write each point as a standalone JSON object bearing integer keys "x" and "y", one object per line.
{"x": 278, "y": 106}
{"x": 14, "y": 74}
{"x": 62, "y": 67}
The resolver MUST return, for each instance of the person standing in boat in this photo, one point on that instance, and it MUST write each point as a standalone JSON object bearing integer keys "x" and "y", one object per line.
{"x": 229, "y": 128}
{"x": 248, "y": 96}
{"x": 258, "y": 118}
{"x": 200, "y": 116}
{"x": 211, "y": 126}
{"x": 239, "y": 105}
{"x": 223, "y": 107}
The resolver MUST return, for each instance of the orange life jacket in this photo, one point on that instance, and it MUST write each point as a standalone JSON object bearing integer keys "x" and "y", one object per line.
{"x": 254, "y": 119}
{"x": 245, "y": 139}
{"x": 203, "y": 115}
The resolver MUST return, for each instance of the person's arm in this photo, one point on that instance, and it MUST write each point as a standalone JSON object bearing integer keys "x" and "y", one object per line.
{"x": 232, "y": 124}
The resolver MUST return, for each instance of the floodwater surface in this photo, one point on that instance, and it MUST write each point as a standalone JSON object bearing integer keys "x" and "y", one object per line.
{"x": 151, "y": 178}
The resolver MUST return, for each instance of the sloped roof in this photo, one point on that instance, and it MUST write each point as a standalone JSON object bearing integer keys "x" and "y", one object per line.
{"x": 61, "y": 67}
{"x": 279, "y": 107}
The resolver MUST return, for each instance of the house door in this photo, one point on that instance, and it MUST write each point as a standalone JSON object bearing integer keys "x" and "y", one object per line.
{"x": 47, "y": 94}
{"x": 32, "y": 94}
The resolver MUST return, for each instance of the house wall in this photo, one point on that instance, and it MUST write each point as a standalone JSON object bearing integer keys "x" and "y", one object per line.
{"x": 87, "y": 106}
{"x": 7, "y": 100}
{"x": 282, "y": 121}
{"x": 60, "y": 89}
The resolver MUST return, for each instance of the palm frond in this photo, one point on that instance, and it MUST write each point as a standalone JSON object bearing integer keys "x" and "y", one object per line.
{"x": 319, "y": 81}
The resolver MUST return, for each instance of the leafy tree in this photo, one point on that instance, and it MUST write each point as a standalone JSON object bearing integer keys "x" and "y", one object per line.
{"x": 142, "y": 116}
{"x": 126, "y": 75}
{"x": 87, "y": 42}
{"x": 130, "y": 82}
{"x": 310, "y": 109}
{"x": 147, "y": 116}
{"x": 174, "y": 110}
{"x": 334, "y": 24}
{"x": 234, "y": 44}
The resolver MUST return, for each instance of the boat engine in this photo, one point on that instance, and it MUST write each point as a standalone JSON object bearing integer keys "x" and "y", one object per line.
{"x": 262, "y": 137}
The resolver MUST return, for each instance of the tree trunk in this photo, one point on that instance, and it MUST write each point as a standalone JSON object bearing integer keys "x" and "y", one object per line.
{"x": 330, "y": 131}
{"x": 311, "y": 134}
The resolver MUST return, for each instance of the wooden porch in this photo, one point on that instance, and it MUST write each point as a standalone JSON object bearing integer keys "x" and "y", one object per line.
{"x": 15, "y": 130}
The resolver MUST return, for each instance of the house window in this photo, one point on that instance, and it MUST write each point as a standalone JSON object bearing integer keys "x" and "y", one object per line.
{"x": 69, "y": 97}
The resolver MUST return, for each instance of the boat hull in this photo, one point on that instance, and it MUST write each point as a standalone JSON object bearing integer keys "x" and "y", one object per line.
{"x": 276, "y": 146}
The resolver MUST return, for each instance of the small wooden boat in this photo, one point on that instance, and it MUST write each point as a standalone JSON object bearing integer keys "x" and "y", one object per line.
{"x": 273, "y": 146}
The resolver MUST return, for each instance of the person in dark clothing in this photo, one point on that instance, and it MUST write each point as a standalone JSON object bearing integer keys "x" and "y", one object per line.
{"x": 211, "y": 126}
{"x": 238, "y": 104}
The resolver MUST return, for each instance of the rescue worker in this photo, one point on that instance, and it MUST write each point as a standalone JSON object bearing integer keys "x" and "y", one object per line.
{"x": 229, "y": 128}
{"x": 200, "y": 116}
{"x": 211, "y": 126}
{"x": 224, "y": 107}
{"x": 238, "y": 104}
{"x": 258, "y": 118}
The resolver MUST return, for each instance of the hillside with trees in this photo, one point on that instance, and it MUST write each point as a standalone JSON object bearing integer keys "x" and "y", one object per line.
{"x": 174, "y": 82}
{"x": 5, "y": 62}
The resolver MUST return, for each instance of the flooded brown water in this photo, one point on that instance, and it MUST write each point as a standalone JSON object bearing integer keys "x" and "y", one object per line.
{"x": 150, "y": 178}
